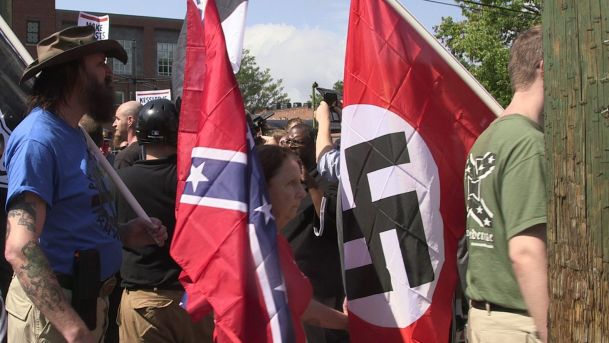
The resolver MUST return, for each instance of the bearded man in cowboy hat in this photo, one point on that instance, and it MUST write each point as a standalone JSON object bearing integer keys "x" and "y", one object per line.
{"x": 62, "y": 237}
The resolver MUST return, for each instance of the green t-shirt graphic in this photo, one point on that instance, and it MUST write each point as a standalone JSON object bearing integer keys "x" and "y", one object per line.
{"x": 505, "y": 194}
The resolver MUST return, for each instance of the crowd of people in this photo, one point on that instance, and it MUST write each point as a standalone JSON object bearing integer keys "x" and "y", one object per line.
{"x": 87, "y": 269}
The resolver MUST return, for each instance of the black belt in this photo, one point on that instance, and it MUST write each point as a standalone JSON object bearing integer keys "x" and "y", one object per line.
{"x": 486, "y": 306}
{"x": 154, "y": 289}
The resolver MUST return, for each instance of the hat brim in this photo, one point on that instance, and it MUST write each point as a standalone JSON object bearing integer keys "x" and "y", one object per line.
{"x": 109, "y": 47}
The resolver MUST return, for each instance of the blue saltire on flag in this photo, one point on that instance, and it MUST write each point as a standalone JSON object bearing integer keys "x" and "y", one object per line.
{"x": 225, "y": 236}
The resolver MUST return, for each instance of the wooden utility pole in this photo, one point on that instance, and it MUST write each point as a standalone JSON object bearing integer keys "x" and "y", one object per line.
{"x": 576, "y": 58}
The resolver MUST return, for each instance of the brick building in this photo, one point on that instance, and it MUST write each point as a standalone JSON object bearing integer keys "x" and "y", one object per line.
{"x": 149, "y": 42}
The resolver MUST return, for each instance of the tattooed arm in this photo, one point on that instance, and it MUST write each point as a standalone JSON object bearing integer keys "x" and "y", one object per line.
{"x": 25, "y": 219}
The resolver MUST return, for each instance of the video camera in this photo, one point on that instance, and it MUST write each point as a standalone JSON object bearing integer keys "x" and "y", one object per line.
{"x": 332, "y": 98}
{"x": 259, "y": 121}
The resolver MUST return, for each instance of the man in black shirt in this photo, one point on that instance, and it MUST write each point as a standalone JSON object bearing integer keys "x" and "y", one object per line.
{"x": 149, "y": 309}
{"x": 124, "y": 125}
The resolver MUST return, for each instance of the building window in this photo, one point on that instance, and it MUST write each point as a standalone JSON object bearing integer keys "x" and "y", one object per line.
{"x": 33, "y": 32}
{"x": 119, "y": 97}
{"x": 117, "y": 66}
{"x": 164, "y": 57}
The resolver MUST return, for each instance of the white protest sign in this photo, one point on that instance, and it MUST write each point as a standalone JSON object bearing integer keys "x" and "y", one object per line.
{"x": 144, "y": 96}
{"x": 101, "y": 24}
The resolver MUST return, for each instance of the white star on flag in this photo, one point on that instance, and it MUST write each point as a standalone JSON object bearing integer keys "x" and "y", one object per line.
{"x": 266, "y": 210}
{"x": 196, "y": 176}
{"x": 487, "y": 222}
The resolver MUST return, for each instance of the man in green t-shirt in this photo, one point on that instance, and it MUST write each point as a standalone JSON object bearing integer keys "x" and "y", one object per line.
{"x": 506, "y": 211}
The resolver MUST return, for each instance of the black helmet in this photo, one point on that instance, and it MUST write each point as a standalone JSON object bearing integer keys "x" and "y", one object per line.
{"x": 157, "y": 122}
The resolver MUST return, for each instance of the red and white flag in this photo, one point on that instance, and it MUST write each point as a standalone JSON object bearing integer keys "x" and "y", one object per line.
{"x": 225, "y": 237}
{"x": 411, "y": 113}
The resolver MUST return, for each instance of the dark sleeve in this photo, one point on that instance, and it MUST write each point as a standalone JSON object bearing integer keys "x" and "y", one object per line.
{"x": 124, "y": 211}
{"x": 118, "y": 162}
{"x": 128, "y": 156}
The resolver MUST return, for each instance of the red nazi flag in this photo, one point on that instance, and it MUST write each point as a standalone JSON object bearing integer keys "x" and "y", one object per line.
{"x": 410, "y": 115}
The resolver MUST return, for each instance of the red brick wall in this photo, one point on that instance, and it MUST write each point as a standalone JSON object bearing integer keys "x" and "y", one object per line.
{"x": 149, "y": 80}
{"x": 42, "y": 11}
{"x": 147, "y": 24}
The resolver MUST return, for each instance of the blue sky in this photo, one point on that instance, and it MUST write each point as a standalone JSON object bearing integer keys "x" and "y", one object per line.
{"x": 300, "y": 41}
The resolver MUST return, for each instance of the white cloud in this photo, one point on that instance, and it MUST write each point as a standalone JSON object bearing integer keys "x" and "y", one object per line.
{"x": 298, "y": 56}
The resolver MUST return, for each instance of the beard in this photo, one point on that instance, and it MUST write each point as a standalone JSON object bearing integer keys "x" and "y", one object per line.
{"x": 99, "y": 98}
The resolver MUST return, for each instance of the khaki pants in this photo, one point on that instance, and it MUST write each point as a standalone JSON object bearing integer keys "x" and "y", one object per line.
{"x": 499, "y": 327}
{"x": 27, "y": 324}
{"x": 156, "y": 316}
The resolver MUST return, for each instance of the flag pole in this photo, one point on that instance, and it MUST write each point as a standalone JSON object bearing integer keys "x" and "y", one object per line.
{"x": 15, "y": 42}
{"x": 463, "y": 73}
{"x": 313, "y": 87}
{"x": 120, "y": 185}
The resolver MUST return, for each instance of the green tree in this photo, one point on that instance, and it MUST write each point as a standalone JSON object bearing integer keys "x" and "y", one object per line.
{"x": 482, "y": 39}
{"x": 258, "y": 88}
{"x": 338, "y": 86}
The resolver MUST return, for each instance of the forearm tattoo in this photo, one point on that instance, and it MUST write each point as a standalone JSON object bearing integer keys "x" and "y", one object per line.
{"x": 35, "y": 274}
{"x": 23, "y": 212}
{"x": 38, "y": 280}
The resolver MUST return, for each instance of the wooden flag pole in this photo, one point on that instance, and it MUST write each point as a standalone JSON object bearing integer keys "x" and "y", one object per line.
{"x": 576, "y": 48}
{"x": 15, "y": 42}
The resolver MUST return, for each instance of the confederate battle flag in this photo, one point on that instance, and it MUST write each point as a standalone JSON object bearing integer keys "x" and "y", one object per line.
{"x": 225, "y": 236}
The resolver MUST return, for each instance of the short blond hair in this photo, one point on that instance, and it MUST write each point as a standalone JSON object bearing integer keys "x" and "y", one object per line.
{"x": 525, "y": 55}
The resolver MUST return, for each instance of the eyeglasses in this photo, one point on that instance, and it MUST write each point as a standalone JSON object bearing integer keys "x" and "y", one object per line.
{"x": 292, "y": 143}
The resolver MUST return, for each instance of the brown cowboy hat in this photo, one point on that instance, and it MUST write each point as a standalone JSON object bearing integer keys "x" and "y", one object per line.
{"x": 68, "y": 45}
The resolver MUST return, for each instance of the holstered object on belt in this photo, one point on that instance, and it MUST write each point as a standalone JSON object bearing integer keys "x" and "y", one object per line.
{"x": 85, "y": 288}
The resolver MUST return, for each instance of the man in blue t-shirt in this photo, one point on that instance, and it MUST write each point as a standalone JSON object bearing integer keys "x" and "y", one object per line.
{"x": 61, "y": 228}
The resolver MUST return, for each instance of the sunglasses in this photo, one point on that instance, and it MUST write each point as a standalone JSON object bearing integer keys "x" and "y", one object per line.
{"x": 292, "y": 143}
